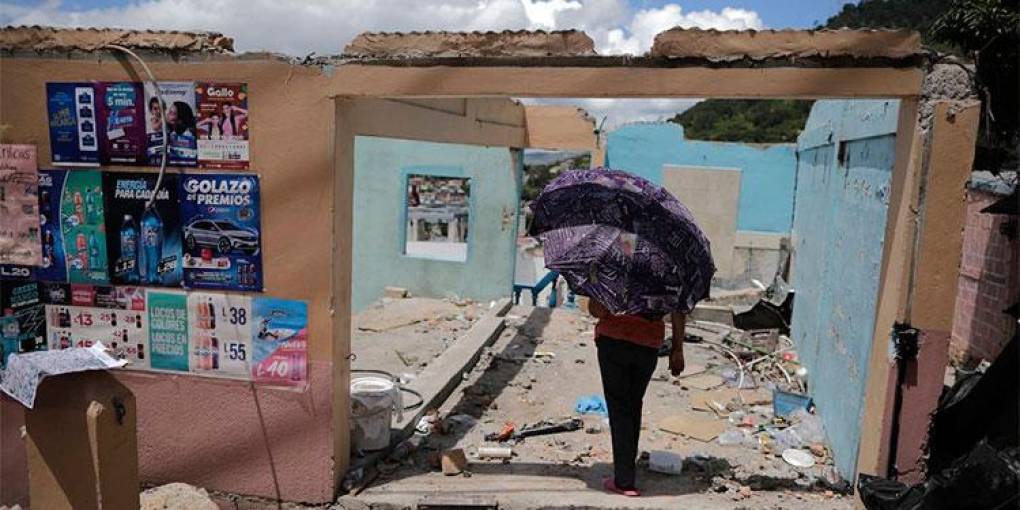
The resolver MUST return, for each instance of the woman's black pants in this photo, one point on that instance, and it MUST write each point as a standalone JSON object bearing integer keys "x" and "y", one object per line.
{"x": 626, "y": 370}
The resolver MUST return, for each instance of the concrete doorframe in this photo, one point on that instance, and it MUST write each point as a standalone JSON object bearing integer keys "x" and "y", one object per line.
{"x": 357, "y": 87}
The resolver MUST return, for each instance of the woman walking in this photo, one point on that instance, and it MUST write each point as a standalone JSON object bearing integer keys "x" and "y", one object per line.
{"x": 628, "y": 350}
{"x": 636, "y": 252}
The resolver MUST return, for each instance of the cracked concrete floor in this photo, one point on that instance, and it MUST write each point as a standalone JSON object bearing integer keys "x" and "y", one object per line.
{"x": 515, "y": 382}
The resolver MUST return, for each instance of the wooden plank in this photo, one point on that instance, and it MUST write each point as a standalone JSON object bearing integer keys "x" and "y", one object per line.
{"x": 622, "y": 81}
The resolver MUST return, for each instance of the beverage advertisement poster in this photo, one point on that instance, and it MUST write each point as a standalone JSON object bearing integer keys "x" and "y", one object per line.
{"x": 220, "y": 330}
{"x": 81, "y": 227}
{"x": 144, "y": 242}
{"x": 22, "y": 326}
{"x": 222, "y": 232}
{"x": 168, "y": 330}
{"x": 115, "y": 316}
{"x": 54, "y": 264}
{"x": 19, "y": 202}
{"x": 280, "y": 341}
{"x": 222, "y": 125}
{"x": 122, "y": 139}
{"x": 181, "y": 122}
{"x": 74, "y": 128}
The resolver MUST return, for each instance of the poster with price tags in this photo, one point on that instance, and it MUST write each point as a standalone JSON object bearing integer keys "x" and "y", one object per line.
{"x": 81, "y": 315}
{"x": 220, "y": 330}
{"x": 168, "y": 330}
{"x": 280, "y": 341}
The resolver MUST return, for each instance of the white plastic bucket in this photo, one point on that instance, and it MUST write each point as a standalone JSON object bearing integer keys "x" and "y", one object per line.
{"x": 373, "y": 402}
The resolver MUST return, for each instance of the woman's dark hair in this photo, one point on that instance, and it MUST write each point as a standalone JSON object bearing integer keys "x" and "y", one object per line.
{"x": 185, "y": 118}
{"x": 153, "y": 100}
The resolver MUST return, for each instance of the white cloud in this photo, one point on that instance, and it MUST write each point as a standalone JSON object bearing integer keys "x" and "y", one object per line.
{"x": 299, "y": 27}
{"x": 617, "y": 112}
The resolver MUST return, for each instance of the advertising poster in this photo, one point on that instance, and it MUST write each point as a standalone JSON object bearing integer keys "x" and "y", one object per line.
{"x": 280, "y": 341}
{"x": 74, "y": 128}
{"x": 82, "y": 229}
{"x": 19, "y": 202}
{"x": 54, "y": 264}
{"x": 222, "y": 232}
{"x": 144, "y": 243}
{"x": 22, "y": 326}
{"x": 222, "y": 125}
{"x": 122, "y": 139}
{"x": 181, "y": 122}
{"x": 168, "y": 330}
{"x": 220, "y": 334}
{"x": 81, "y": 315}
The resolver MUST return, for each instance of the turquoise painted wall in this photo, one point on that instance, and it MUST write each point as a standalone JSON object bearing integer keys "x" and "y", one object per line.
{"x": 839, "y": 228}
{"x": 768, "y": 172}
{"x": 381, "y": 167}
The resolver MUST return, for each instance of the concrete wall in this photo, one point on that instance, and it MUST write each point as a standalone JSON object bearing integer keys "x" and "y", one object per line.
{"x": 194, "y": 429}
{"x": 846, "y": 156}
{"x": 768, "y": 172}
{"x": 712, "y": 194}
{"x": 757, "y": 255}
{"x": 989, "y": 281}
{"x": 381, "y": 167}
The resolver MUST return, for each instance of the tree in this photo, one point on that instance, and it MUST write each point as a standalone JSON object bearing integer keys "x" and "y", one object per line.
{"x": 745, "y": 120}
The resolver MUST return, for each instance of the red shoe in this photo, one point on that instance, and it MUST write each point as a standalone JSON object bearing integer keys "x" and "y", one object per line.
{"x": 610, "y": 485}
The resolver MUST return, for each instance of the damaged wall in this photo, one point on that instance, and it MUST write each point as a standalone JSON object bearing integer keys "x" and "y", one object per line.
{"x": 229, "y": 435}
{"x": 381, "y": 167}
{"x": 846, "y": 156}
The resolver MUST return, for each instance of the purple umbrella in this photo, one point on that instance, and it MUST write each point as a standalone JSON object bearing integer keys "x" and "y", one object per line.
{"x": 623, "y": 241}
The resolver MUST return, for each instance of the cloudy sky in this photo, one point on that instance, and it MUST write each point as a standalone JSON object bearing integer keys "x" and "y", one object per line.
{"x": 301, "y": 27}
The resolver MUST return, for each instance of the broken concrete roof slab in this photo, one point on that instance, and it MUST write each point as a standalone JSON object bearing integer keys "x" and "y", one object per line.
{"x": 41, "y": 39}
{"x": 731, "y": 45}
{"x": 523, "y": 43}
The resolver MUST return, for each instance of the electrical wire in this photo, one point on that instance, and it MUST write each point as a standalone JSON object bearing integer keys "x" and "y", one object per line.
{"x": 162, "y": 119}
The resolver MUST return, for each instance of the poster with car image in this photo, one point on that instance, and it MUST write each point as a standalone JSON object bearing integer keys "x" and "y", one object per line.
{"x": 144, "y": 241}
{"x": 82, "y": 227}
{"x": 73, "y": 122}
{"x": 180, "y": 118}
{"x": 122, "y": 118}
{"x": 81, "y": 315}
{"x": 222, "y": 231}
{"x": 222, "y": 125}
{"x": 220, "y": 331}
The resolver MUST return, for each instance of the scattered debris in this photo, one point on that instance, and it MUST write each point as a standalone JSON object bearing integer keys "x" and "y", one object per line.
{"x": 591, "y": 404}
{"x": 665, "y": 462}
{"x": 177, "y": 496}
{"x": 703, "y": 381}
{"x": 504, "y": 434}
{"x": 453, "y": 462}
{"x": 798, "y": 458}
{"x": 495, "y": 452}
{"x": 396, "y": 292}
{"x": 693, "y": 426}
{"x": 784, "y": 402}
{"x": 544, "y": 428}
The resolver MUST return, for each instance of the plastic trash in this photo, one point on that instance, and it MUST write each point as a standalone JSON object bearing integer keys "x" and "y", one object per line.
{"x": 374, "y": 400}
{"x": 591, "y": 404}
{"x": 788, "y": 438}
{"x": 495, "y": 452}
{"x": 784, "y": 402}
{"x": 665, "y": 462}
{"x": 732, "y": 437}
{"x": 798, "y": 458}
{"x": 808, "y": 426}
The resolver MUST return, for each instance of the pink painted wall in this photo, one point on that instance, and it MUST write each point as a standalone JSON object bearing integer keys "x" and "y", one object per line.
{"x": 217, "y": 434}
{"x": 989, "y": 282}
{"x": 13, "y": 470}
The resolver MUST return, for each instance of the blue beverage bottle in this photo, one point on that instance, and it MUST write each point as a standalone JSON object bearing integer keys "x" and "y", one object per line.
{"x": 94, "y": 252}
{"x": 129, "y": 249}
{"x": 152, "y": 245}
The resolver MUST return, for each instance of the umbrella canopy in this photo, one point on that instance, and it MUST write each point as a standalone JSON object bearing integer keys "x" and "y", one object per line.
{"x": 623, "y": 241}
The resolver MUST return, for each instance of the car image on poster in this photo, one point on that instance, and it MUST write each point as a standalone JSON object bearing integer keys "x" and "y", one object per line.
{"x": 222, "y": 232}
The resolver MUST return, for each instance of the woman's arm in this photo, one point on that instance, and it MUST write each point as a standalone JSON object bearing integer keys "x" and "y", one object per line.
{"x": 676, "y": 357}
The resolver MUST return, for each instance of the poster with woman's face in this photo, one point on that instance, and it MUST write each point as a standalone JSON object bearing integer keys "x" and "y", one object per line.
{"x": 222, "y": 125}
{"x": 173, "y": 105}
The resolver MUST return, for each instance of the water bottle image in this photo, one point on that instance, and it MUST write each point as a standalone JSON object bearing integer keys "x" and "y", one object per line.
{"x": 129, "y": 249}
{"x": 152, "y": 246}
{"x": 90, "y": 205}
{"x": 94, "y": 252}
